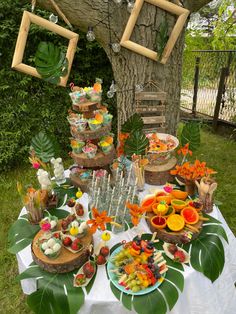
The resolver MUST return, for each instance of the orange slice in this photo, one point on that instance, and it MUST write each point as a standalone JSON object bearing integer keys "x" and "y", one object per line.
{"x": 175, "y": 222}
{"x": 147, "y": 203}
{"x": 178, "y": 204}
{"x": 158, "y": 222}
{"x": 180, "y": 195}
{"x": 190, "y": 215}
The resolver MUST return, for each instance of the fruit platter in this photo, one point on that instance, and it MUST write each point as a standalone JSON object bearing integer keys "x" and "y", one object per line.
{"x": 136, "y": 267}
{"x": 161, "y": 145}
{"x": 66, "y": 248}
{"x": 175, "y": 217}
{"x": 176, "y": 253}
{"x": 85, "y": 274}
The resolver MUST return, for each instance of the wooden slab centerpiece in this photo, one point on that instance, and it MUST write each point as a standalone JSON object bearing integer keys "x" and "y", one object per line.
{"x": 66, "y": 261}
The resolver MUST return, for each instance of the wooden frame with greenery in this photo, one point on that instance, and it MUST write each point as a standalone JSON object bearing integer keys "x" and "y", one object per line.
{"x": 162, "y": 4}
{"x": 29, "y": 18}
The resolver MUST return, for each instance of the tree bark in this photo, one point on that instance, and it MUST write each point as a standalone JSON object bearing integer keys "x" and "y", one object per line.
{"x": 128, "y": 67}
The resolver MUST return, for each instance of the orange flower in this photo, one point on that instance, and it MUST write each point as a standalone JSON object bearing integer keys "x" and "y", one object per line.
{"x": 99, "y": 220}
{"x": 136, "y": 212}
{"x": 185, "y": 150}
{"x": 123, "y": 136}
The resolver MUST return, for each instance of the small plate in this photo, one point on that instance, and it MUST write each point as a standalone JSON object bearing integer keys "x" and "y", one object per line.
{"x": 80, "y": 271}
{"x": 171, "y": 256}
{"x": 72, "y": 239}
{"x": 113, "y": 278}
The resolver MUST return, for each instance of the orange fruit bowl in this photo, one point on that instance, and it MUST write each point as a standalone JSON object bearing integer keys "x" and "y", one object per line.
{"x": 178, "y": 204}
{"x": 167, "y": 198}
{"x": 160, "y": 209}
{"x": 190, "y": 215}
{"x": 158, "y": 222}
{"x": 175, "y": 222}
{"x": 196, "y": 205}
{"x": 180, "y": 195}
{"x": 147, "y": 203}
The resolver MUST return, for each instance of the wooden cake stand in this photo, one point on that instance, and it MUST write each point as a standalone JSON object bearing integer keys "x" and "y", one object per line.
{"x": 66, "y": 261}
{"x": 173, "y": 237}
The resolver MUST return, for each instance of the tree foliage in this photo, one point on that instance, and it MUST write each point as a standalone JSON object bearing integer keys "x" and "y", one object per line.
{"x": 28, "y": 104}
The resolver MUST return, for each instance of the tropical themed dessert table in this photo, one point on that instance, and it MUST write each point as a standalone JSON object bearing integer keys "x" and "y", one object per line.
{"x": 192, "y": 291}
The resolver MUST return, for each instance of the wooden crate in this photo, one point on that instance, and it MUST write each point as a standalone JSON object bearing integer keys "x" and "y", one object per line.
{"x": 151, "y": 106}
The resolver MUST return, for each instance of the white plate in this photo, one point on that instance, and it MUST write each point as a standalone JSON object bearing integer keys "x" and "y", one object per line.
{"x": 171, "y": 256}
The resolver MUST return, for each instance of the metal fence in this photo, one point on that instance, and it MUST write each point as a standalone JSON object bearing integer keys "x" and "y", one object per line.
{"x": 209, "y": 84}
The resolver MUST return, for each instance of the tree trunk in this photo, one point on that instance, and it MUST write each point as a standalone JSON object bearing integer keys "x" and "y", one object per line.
{"x": 128, "y": 67}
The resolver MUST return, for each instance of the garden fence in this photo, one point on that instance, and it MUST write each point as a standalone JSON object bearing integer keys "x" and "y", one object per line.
{"x": 209, "y": 84}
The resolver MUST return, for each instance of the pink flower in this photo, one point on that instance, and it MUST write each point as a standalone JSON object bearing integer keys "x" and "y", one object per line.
{"x": 168, "y": 188}
{"x": 36, "y": 165}
{"x": 46, "y": 226}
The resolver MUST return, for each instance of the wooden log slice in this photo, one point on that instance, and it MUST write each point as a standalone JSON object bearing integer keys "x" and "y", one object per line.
{"x": 100, "y": 159}
{"x": 173, "y": 237}
{"x": 159, "y": 174}
{"x": 66, "y": 261}
{"x": 89, "y": 134}
{"x": 86, "y": 106}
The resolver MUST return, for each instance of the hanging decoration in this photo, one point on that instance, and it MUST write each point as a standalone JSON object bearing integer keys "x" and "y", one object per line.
{"x": 174, "y": 9}
{"x": 27, "y": 19}
{"x": 90, "y": 34}
{"x": 53, "y": 18}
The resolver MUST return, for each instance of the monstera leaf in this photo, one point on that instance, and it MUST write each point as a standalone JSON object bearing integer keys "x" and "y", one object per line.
{"x": 21, "y": 234}
{"x": 191, "y": 134}
{"x": 55, "y": 294}
{"x": 43, "y": 146}
{"x": 207, "y": 251}
{"x": 50, "y": 62}
{"x": 136, "y": 143}
{"x": 134, "y": 123}
{"x": 161, "y": 299}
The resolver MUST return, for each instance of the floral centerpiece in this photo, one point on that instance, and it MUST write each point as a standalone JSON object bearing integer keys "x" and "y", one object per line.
{"x": 81, "y": 95}
{"x": 106, "y": 144}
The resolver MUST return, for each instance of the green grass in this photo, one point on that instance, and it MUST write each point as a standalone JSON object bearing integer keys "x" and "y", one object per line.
{"x": 218, "y": 152}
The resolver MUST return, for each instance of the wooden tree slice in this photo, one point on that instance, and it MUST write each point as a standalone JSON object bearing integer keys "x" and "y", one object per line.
{"x": 86, "y": 106}
{"x": 100, "y": 160}
{"x": 172, "y": 237}
{"x": 66, "y": 261}
{"x": 89, "y": 134}
{"x": 159, "y": 174}
{"x": 82, "y": 184}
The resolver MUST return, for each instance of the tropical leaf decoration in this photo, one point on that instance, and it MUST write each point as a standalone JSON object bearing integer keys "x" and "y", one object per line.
{"x": 50, "y": 62}
{"x": 43, "y": 146}
{"x": 191, "y": 134}
{"x": 21, "y": 234}
{"x": 163, "y": 298}
{"x": 55, "y": 294}
{"x": 162, "y": 38}
{"x": 207, "y": 251}
{"x": 136, "y": 143}
{"x": 133, "y": 123}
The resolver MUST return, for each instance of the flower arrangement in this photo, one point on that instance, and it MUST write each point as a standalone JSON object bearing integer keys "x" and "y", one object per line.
{"x": 90, "y": 150}
{"x": 77, "y": 145}
{"x": 156, "y": 144}
{"x": 106, "y": 144}
{"x": 136, "y": 212}
{"x": 99, "y": 220}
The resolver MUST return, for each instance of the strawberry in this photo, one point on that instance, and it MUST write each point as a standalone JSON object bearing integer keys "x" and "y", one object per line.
{"x": 56, "y": 235}
{"x": 75, "y": 245}
{"x": 67, "y": 241}
{"x": 80, "y": 279}
{"x": 179, "y": 256}
{"x": 79, "y": 209}
{"x": 172, "y": 248}
{"x": 136, "y": 246}
{"x": 104, "y": 251}
{"x": 71, "y": 202}
{"x": 88, "y": 269}
{"x": 100, "y": 260}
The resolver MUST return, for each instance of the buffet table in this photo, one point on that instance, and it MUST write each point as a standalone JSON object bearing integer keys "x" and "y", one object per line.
{"x": 200, "y": 295}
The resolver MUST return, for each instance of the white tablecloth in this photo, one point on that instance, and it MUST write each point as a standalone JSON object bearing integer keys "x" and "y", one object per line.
{"x": 199, "y": 295}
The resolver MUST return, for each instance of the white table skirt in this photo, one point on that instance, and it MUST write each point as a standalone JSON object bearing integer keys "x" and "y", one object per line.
{"x": 199, "y": 295}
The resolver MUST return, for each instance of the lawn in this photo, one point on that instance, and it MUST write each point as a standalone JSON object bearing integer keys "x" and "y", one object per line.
{"x": 217, "y": 151}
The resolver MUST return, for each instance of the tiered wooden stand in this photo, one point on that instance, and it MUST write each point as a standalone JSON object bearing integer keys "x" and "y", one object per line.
{"x": 66, "y": 261}
{"x": 100, "y": 160}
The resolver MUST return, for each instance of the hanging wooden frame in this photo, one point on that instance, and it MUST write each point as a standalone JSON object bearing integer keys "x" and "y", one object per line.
{"x": 29, "y": 18}
{"x": 162, "y": 4}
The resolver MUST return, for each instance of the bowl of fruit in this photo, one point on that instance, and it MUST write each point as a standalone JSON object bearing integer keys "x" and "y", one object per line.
{"x": 176, "y": 253}
{"x": 136, "y": 267}
{"x": 51, "y": 247}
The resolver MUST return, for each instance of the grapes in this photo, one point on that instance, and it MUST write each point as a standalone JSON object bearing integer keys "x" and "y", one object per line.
{"x": 135, "y": 288}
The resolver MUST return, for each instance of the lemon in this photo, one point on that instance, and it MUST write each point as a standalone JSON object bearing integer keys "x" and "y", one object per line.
{"x": 79, "y": 193}
{"x": 106, "y": 236}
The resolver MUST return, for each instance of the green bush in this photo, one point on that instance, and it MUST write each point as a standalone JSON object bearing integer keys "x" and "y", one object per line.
{"x": 28, "y": 104}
